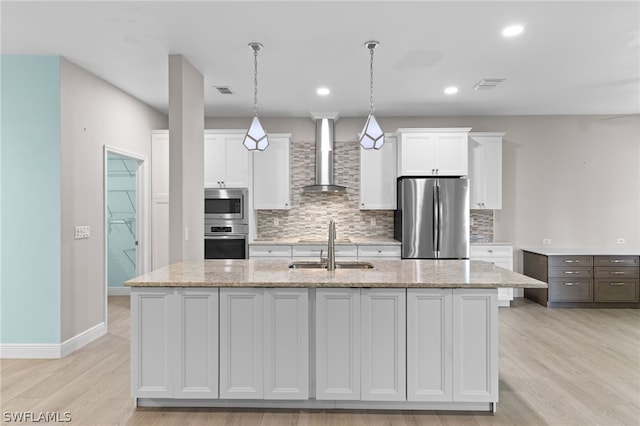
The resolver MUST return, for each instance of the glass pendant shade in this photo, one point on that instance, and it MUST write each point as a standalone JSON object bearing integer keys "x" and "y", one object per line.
{"x": 372, "y": 136}
{"x": 256, "y": 137}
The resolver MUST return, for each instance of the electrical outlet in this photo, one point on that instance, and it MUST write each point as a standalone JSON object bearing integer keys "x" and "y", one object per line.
{"x": 620, "y": 241}
{"x": 546, "y": 241}
{"x": 373, "y": 221}
{"x": 186, "y": 234}
{"x": 276, "y": 221}
{"x": 82, "y": 232}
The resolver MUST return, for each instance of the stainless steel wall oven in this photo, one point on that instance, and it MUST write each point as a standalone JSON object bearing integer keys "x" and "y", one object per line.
{"x": 226, "y": 228}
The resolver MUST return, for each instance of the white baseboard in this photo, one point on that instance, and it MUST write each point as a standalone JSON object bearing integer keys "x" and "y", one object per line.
{"x": 82, "y": 339}
{"x": 119, "y": 291}
{"x": 51, "y": 350}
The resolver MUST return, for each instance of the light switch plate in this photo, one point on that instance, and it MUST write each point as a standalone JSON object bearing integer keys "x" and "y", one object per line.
{"x": 546, "y": 241}
{"x": 82, "y": 232}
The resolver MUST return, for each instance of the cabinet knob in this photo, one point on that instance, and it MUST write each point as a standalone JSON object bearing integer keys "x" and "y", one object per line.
{"x": 490, "y": 251}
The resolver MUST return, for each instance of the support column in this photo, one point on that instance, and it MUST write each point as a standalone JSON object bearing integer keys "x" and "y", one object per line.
{"x": 186, "y": 164}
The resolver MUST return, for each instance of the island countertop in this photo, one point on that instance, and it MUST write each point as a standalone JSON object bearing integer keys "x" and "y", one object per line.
{"x": 386, "y": 273}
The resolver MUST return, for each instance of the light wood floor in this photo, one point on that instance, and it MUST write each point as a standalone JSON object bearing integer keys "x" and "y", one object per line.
{"x": 557, "y": 367}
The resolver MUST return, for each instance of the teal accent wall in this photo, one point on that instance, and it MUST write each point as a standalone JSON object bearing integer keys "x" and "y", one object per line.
{"x": 30, "y": 199}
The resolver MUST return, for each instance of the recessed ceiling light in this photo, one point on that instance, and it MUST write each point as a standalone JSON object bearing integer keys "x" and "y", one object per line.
{"x": 323, "y": 91}
{"x": 451, "y": 90}
{"x": 512, "y": 30}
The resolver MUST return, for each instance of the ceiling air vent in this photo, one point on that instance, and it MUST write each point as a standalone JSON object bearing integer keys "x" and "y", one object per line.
{"x": 488, "y": 83}
{"x": 224, "y": 90}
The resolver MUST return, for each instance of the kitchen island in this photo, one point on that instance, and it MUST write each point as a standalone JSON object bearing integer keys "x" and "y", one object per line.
{"x": 405, "y": 334}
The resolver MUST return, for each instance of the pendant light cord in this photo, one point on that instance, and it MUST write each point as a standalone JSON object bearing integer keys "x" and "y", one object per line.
{"x": 255, "y": 82}
{"x": 371, "y": 75}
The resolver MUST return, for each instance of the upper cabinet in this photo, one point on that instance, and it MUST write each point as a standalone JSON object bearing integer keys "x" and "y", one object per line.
{"x": 271, "y": 174}
{"x": 226, "y": 160}
{"x": 378, "y": 176}
{"x": 433, "y": 152}
{"x": 485, "y": 170}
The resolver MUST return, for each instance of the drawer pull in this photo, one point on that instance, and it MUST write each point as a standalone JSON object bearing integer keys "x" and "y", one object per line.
{"x": 616, "y": 261}
{"x": 570, "y": 284}
{"x": 571, "y": 261}
{"x": 617, "y": 273}
{"x": 616, "y": 284}
{"x": 571, "y": 272}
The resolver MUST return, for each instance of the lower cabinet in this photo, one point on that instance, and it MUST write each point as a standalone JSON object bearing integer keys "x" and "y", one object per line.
{"x": 264, "y": 343}
{"x": 174, "y": 343}
{"x": 422, "y": 345}
{"x": 369, "y": 348}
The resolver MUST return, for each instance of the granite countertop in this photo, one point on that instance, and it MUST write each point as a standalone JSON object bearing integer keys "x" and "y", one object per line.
{"x": 493, "y": 243}
{"x": 311, "y": 241}
{"x": 386, "y": 273}
{"x": 548, "y": 251}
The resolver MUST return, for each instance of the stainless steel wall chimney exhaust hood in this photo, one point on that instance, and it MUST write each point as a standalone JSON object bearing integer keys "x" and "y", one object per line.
{"x": 324, "y": 155}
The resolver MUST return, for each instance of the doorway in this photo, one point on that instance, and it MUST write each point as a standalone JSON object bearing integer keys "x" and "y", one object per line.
{"x": 125, "y": 219}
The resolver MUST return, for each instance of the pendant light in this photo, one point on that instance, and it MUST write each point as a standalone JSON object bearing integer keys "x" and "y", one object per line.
{"x": 372, "y": 136}
{"x": 256, "y": 138}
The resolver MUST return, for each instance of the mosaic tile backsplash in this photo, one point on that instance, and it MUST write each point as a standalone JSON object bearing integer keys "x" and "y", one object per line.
{"x": 310, "y": 213}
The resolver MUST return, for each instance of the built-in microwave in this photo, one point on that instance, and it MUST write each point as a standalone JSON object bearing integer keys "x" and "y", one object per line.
{"x": 226, "y": 204}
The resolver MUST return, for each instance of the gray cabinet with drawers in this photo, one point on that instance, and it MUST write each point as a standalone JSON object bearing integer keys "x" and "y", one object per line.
{"x": 584, "y": 280}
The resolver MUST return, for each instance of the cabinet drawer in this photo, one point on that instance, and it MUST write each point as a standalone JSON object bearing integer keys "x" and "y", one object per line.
{"x": 270, "y": 251}
{"x": 615, "y": 261}
{"x": 616, "y": 291}
{"x": 570, "y": 290}
{"x": 615, "y": 272}
{"x": 574, "y": 272}
{"x": 379, "y": 251}
{"x": 490, "y": 251}
{"x": 570, "y": 260}
{"x": 342, "y": 250}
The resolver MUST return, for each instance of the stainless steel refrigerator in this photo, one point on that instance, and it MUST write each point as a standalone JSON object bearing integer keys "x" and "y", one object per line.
{"x": 432, "y": 218}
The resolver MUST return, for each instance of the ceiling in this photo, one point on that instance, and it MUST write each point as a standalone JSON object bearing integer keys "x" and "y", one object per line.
{"x": 572, "y": 58}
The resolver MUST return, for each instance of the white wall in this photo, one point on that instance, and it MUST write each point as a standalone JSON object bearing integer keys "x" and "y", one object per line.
{"x": 93, "y": 113}
{"x": 573, "y": 179}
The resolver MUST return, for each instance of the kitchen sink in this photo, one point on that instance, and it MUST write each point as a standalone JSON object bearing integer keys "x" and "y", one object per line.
{"x": 314, "y": 264}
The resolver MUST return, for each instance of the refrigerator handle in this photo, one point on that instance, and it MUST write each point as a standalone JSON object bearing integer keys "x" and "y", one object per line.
{"x": 438, "y": 215}
{"x": 435, "y": 218}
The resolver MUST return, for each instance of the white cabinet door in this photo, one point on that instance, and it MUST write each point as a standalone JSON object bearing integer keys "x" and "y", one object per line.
{"x": 417, "y": 154}
{"x": 241, "y": 359}
{"x": 196, "y": 343}
{"x": 337, "y": 344}
{"x": 475, "y": 345}
{"x": 151, "y": 343}
{"x": 452, "y": 154}
{"x": 226, "y": 160}
{"x": 286, "y": 343}
{"x": 429, "y": 345}
{"x": 378, "y": 176}
{"x": 383, "y": 344}
{"x": 271, "y": 175}
{"x": 485, "y": 170}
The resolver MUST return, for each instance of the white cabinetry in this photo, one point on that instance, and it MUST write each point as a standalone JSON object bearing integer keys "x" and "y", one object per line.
{"x": 226, "y": 160}
{"x": 241, "y": 358}
{"x": 475, "y": 345}
{"x": 429, "y": 345}
{"x": 271, "y": 174}
{"x": 378, "y": 251}
{"x": 499, "y": 255}
{"x": 383, "y": 344}
{"x": 378, "y": 176}
{"x": 313, "y": 251}
{"x": 286, "y": 344}
{"x": 269, "y": 251}
{"x": 264, "y": 350}
{"x": 196, "y": 348}
{"x": 485, "y": 170}
{"x": 337, "y": 344}
{"x": 178, "y": 355}
{"x": 432, "y": 152}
